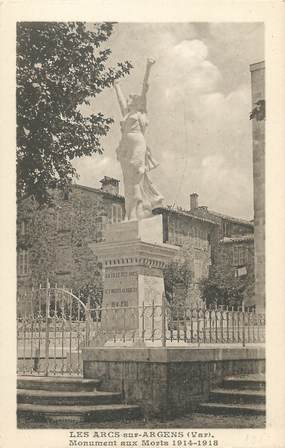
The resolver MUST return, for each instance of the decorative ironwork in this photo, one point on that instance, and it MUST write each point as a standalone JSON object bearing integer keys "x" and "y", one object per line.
{"x": 169, "y": 325}
{"x": 51, "y": 331}
{"x": 54, "y": 325}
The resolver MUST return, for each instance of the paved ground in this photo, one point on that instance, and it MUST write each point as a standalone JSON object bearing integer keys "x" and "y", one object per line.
{"x": 188, "y": 421}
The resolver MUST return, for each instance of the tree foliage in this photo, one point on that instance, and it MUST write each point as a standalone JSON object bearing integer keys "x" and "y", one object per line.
{"x": 90, "y": 294}
{"x": 258, "y": 112}
{"x": 179, "y": 273}
{"x": 59, "y": 67}
{"x": 223, "y": 288}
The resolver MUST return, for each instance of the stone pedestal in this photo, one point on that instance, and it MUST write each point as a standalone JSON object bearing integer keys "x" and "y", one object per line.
{"x": 167, "y": 382}
{"x": 133, "y": 257}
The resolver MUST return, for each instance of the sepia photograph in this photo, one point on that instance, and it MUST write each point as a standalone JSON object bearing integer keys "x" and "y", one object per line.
{"x": 140, "y": 220}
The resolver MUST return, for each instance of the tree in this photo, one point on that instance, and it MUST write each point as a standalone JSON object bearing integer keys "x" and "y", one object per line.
{"x": 176, "y": 274}
{"x": 223, "y": 288}
{"x": 179, "y": 273}
{"x": 90, "y": 294}
{"x": 59, "y": 67}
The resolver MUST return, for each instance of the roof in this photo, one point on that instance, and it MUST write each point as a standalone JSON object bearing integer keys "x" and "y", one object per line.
{"x": 232, "y": 218}
{"x": 185, "y": 213}
{"x": 98, "y": 190}
{"x": 203, "y": 211}
{"x": 238, "y": 239}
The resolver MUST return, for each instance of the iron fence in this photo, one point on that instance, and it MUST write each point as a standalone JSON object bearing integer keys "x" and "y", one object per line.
{"x": 176, "y": 324}
{"x": 53, "y": 326}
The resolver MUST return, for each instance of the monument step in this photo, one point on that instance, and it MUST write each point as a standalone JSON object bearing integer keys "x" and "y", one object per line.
{"x": 63, "y": 398}
{"x": 241, "y": 382}
{"x": 237, "y": 396}
{"x": 232, "y": 408}
{"x": 77, "y": 413}
{"x": 57, "y": 383}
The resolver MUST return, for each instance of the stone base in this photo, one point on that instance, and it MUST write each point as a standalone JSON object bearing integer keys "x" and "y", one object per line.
{"x": 149, "y": 230}
{"x": 133, "y": 258}
{"x": 167, "y": 382}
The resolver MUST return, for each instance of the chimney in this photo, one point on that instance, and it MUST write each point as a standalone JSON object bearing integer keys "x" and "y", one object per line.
{"x": 110, "y": 185}
{"x": 193, "y": 201}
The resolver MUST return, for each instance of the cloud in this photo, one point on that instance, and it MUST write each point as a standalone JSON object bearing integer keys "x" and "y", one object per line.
{"x": 193, "y": 52}
{"x": 206, "y": 132}
{"x": 185, "y": 69}
{"x": 198, "y": 107}
{"x": 93, "y": 169}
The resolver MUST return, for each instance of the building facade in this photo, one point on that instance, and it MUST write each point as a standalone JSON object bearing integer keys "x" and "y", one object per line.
{"x": 53, "y": 243}
{"x": 218, "y": 242}
{"x": 194, "y": 234}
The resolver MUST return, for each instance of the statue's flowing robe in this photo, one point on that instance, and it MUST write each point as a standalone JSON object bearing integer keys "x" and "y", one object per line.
{"x": 136, "y": 161}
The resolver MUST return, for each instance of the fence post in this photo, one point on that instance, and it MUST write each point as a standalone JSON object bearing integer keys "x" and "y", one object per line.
{"x": 47, "y": 329}
{"x": 87, "y": 322}
{"x": 143, "y": 322}
{"x": 163, "y": 321}
{"x": 243, "y": 324}
{"x": 152, "y": 321}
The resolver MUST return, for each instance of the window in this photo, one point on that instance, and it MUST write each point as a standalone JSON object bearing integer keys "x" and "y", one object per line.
{"x": 116, "y": 213}
{"x": 198, "y": 269}
{"x": 239, "y": 272}
{"x": 226, "y": 229}
{"x": 203, "y": 239}
{"x": 99, "y": 223}
{"x": 23, "y": 228}
{"x": 235, "y": 255}
{"x": 63, "y": 220}
{"x": 178, "y": 235}
{"x": 23, "y": 262}
{"x": 195, "y": 241}
{"x": 240, "y": 256}
{"x": 178, "y": 238}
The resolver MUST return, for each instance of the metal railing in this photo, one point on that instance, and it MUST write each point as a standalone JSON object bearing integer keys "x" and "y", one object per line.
{"x": 53, "y": 326}
{"x": 167, "y": 325}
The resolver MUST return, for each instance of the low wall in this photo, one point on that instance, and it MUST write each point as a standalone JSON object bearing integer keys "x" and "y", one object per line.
{"x": 168, "y": 381}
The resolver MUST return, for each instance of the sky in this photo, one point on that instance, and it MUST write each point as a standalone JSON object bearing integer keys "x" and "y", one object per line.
{"x": 199, "y": 102}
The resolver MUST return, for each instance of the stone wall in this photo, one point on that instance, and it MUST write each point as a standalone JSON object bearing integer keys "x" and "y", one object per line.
{"x": 258, "y": 135}
{"x": 194, "y": 237}
{"x": 57, "y": 238}
{"x": 200, "y": 235}
{"x": 168, "y": 381}
{"x": 236, "y": 259}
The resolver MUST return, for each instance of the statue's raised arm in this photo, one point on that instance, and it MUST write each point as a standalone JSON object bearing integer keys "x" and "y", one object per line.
{"x": 145, "y": 86}
{"x": 121, "y": 98}
{"x": 135, "y": 157}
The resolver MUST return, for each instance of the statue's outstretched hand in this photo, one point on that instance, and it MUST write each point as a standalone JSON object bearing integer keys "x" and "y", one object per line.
{"x": 150, "y": 61}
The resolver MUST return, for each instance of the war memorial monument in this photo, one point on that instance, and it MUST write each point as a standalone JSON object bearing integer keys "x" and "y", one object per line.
{"x": 133, "y": 254}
